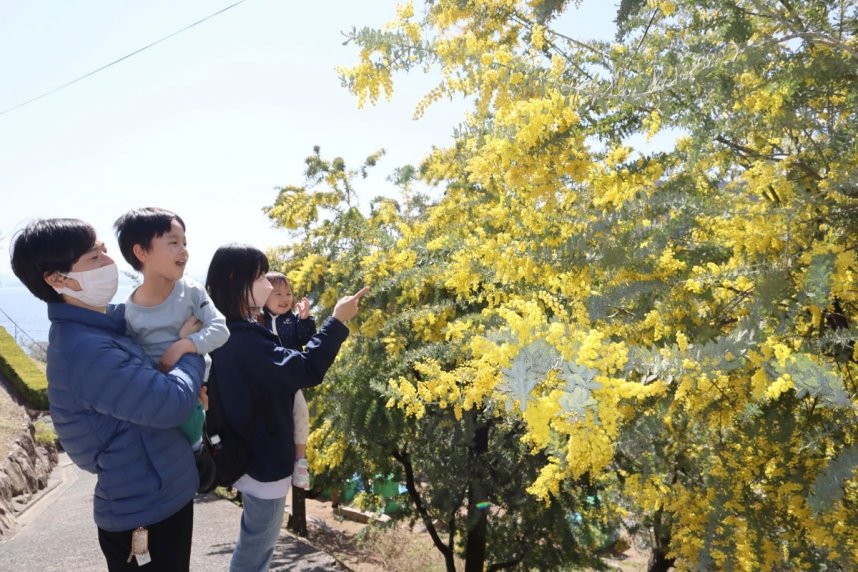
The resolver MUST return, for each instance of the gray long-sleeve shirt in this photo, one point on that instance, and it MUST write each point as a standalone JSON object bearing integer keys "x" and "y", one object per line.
{"x": 155, "y": 328}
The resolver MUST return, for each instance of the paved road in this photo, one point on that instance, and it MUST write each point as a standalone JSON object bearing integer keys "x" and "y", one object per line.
{"x": 56, "y": 533}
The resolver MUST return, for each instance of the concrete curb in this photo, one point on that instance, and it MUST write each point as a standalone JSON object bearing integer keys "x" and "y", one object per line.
{"x": 66, "y": 478}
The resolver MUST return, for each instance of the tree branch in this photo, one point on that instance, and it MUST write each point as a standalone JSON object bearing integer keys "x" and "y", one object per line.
{"x": 405, "y": 460}
{"x": 504, "y": 565}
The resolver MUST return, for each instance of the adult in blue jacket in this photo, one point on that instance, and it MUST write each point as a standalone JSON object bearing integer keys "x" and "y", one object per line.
{"x": 115, "y": 413}
{"x": 256, "y": 379}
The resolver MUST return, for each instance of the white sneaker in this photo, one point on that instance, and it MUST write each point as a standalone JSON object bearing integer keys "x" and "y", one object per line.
{"x": 301, "y": 474}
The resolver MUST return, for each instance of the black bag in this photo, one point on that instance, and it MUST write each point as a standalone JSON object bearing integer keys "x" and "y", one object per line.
{"x": 228, "y": 449}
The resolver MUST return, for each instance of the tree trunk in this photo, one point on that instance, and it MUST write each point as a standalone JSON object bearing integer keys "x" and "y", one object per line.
{"x": 298, "y": 518}
{"x": 475, "y": 546}
{"x": 658, "y": 560}
{"x": 477, "y": 523}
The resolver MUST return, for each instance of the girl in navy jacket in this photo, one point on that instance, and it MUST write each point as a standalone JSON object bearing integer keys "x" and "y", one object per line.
{"x": 295, "y": 327}
{"x": 257, "y": 379}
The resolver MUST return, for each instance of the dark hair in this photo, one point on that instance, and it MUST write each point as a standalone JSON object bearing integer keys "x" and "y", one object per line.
{"x": 233, "y": 270}
{"x": 140, "y": 226}
{"x": 46, "y": 246}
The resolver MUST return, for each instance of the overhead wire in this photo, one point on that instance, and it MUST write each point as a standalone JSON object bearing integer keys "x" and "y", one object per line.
{"x": 114, "y": 62}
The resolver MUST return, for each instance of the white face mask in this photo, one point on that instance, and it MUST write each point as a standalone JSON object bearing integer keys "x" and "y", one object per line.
{"x": 98, "y": 286}
{"x": 260, "y": 291}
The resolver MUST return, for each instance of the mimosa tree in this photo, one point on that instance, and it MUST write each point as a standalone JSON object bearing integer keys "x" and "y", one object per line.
{"x": 465, "y": 468}
{"x": 673, "y": 329}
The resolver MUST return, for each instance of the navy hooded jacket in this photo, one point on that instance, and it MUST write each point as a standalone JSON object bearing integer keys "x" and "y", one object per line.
{"x": 257, "y": 379}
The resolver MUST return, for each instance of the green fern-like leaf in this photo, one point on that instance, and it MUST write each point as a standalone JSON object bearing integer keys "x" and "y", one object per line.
{"x": 579, "y": 386}
{"x": 812, "y": 379}
{"x": 726, "y": 353}
{"x": 828, "y": 487}
{"x": 529, "y": 367}
{"x": 818, "y": 280}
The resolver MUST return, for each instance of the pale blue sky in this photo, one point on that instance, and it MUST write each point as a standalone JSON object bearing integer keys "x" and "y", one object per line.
{"x": 206, "y": 123}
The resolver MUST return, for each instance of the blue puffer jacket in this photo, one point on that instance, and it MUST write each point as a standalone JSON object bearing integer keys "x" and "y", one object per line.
{"x": 117, "y": 416}
{"x": 257, "y": 379}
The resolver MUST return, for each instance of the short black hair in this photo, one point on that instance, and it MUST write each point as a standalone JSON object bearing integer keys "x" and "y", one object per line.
{"x": 233, "y": 270}
{"x": 140, "y": 226}
{"x": 46, "y": 246}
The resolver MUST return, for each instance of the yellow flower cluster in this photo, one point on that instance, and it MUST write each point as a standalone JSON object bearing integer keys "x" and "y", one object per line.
{"x": 649, "y": 493}
{"x": 394, "y": 344}
{"x": 429, "y": 326}
{"x": 310, "y": 269}
{"x": 368, "y": 80}
{"x": 406, "y": 398}
{"x": 780, "y": 386}
{"x": 613, "y": 187}
{"x": 372, "y": 324}
{"x": 667, "y": 7}
{"x": 668, "y": 265}
{"x": 548, "y": 482}
{"x": 436, "y": 387}
{"x": 590, "y": 449}
{"x": 326, "y": 448}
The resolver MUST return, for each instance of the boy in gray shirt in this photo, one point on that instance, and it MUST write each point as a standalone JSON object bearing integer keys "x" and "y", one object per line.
{"x": 168, "y": 315}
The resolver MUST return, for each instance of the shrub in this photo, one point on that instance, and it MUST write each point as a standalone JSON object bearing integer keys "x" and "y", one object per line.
{"x": 45, "y": 434}
{"x": 22, "y": 372}
{"x": 398, "y": 548}
{"x": 38, "y": 351}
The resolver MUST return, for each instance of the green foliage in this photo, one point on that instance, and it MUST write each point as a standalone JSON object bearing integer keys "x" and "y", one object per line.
{"x": 812, "y": 380}
{"x": 829, "y": 485}
{"x": 579, "y": 387}
{"x": 528, "y": 368}
{"x": 45, "y": 434}
{"x": 819, "y": 273}
{"x": 531, "y": 366}
{"x": 625, "y": 10}
{"x": 22, "y": 372}
{"x": 546, "y": 10}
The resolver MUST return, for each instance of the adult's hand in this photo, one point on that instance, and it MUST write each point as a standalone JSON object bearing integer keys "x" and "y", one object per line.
{"x": 204, "y": 398}
{"x": 176, "y": 350}
{"x": 191, "y": 326}
{"x": 347, "y": 306}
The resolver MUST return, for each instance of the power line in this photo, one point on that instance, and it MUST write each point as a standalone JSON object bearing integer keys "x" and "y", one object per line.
{"x": 125, "y": 57}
